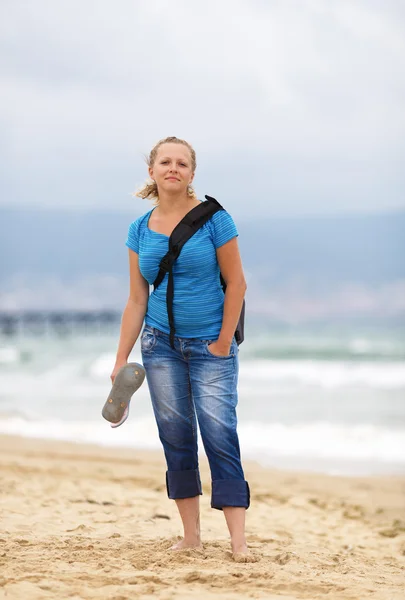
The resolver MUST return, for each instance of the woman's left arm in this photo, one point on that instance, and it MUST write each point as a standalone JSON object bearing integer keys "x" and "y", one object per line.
{"x": 230, "y": 265}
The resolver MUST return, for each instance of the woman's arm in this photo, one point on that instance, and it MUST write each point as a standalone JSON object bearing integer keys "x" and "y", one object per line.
{"x": 230, "y": 264}
{"x": 134, "y": 312}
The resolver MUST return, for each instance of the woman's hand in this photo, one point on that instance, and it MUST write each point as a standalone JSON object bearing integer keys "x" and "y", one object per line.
{"x": 219, "y": 348}
{"x": 118, "y": 365}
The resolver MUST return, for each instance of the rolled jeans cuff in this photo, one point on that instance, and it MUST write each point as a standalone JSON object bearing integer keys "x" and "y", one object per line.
{"x": 183, "y": 484}
{"x": 230, "y": 492}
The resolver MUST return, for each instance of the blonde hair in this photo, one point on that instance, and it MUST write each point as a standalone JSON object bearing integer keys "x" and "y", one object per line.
{"x": 150, "y": 189}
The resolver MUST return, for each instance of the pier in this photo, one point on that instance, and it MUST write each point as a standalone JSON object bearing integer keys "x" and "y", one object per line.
{"x": 60, "y": 323}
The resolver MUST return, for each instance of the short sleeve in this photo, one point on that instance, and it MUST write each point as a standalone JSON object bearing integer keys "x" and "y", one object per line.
{"x": 133, "y": 236}
{"x": 223, "y": 228}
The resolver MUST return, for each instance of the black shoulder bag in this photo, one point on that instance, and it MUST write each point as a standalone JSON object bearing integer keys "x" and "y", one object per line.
{"x": 187, "y": 227}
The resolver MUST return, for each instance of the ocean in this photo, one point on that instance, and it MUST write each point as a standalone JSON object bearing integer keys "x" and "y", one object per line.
{"x": 316, "y": 398}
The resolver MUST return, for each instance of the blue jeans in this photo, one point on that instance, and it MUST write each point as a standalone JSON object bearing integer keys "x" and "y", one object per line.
{"x": 186, "y": 384}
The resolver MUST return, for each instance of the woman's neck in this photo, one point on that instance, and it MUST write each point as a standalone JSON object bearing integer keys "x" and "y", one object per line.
{"x": 169, "y": 205}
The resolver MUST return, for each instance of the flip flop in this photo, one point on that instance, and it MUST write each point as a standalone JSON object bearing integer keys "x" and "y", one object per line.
{"x": 128, "y": 379}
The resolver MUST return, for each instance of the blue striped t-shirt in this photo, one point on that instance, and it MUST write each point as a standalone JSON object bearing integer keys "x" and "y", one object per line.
{"x": 198, "y": 296}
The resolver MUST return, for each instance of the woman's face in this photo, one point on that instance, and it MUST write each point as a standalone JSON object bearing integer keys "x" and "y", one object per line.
{"x": 172, "y": 169}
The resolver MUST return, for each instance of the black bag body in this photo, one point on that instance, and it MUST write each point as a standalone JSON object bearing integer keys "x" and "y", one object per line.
{"x": 183, "y": 231}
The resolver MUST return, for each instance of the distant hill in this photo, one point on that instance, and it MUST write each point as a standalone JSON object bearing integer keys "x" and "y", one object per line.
{"x": 307, "y": 253}
{"x": 367, "y": 248}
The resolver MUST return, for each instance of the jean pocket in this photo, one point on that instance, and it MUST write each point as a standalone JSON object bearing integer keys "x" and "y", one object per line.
{"x": 148, "y": 340}
{"x": 219, "y": 357}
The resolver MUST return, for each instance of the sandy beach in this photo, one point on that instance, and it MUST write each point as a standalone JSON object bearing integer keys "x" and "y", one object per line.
{"x": 91, "y": 522}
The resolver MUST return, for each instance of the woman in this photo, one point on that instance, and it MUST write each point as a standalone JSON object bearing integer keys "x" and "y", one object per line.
{"x": 197, "y": 380}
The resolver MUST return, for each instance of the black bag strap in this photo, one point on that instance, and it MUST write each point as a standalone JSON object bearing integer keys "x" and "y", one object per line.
{"x": 183, "y": 231}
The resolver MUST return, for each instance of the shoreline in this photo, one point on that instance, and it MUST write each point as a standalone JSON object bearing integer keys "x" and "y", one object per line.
{"x": 87, "y": 521}
{"x": 330, "y": 466}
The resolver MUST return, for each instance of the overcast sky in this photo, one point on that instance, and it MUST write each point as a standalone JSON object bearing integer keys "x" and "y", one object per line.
{"x": 293, "y": 107}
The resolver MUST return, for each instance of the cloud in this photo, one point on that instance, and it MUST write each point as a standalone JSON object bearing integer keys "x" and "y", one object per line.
{"x": 297, "y": 106}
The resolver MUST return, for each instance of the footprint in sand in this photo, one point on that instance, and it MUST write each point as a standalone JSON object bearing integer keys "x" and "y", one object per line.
{"x": 22, "y": 542}
{"x": 283, "y": 558}
{"x": 354, "y": 512}
{"x": 81, "y": 528}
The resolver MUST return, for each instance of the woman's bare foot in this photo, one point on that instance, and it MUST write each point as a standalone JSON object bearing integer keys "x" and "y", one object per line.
{"x": 183, "y": 544}
{"x": 190, "y": 516}
{"x": 241, "y": 554}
